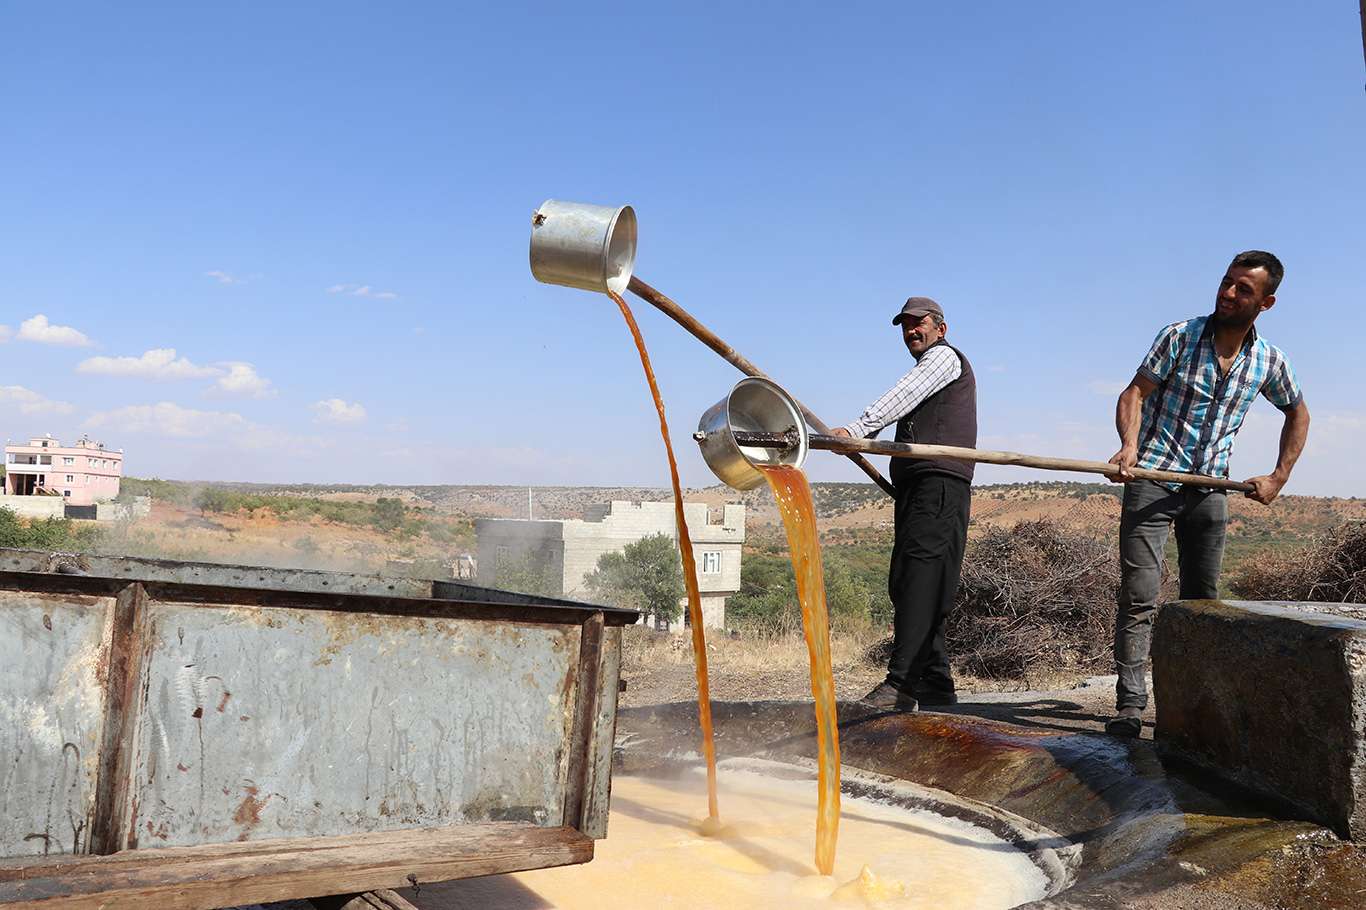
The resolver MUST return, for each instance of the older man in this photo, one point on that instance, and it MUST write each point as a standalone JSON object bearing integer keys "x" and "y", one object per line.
{"x": 936, "y": 404}
{"x": 1181, "y": 413}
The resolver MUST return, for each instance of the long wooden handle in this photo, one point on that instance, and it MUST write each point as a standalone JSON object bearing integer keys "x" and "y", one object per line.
{"x": 741, "y": 363}
{"x": 916, "y": 450}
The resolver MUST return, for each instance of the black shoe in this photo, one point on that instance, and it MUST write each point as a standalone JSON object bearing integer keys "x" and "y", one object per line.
{"x": 930, "y": 699}
{"x": 887, "y": 697}
{"x": 1128, "y": 724}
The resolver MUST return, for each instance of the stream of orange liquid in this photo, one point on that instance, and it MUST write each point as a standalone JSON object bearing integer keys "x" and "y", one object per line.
{"x": 699, "y": 641}
{"x": 793, "y": 494}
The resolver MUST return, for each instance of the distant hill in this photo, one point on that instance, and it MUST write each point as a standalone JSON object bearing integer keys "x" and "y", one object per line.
{"x": 845, "y": 509}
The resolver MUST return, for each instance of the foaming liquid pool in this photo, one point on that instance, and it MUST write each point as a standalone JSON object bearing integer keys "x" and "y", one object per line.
{"x": 657, "y": 856}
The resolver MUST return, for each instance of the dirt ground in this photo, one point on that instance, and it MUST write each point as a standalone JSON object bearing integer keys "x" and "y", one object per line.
{"x": 658, "y": 669}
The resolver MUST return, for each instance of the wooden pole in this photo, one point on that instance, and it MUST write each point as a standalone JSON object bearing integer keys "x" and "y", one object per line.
{"x": 741, "y": 363}
{"x": 1363, "y": 27}
{"x": 915, "y": 450}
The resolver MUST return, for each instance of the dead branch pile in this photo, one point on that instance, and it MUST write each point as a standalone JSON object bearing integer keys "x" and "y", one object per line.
{"x": 1034, "y": 597}
{"x": 1332, "y": 569}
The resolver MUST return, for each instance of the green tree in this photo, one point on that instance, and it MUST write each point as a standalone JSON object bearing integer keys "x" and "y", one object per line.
{"x": 389, "y": 513}
{"x": 846, "y": 594}
{"x": 767, "y": 599}
{"x": 646, "y": 575}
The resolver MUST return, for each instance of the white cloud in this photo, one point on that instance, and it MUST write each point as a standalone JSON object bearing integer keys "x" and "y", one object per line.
{"x": 334, "y": 410}
{"x": 240, "y": 378}
{"x": 40, "y": 330}
{"x": 233, "y": 377}
{"x": 202, "y": 431}
{"x": 1107, "y": 387}
{"x": 168, "y": 419}
{"x": 361, "y": 290}
{"x": 223, "y": 277}
{"x": 158, "y": 363}
{"x": 30, "y": 402}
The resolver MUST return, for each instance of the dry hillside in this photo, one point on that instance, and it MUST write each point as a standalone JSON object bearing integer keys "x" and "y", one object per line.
{"x": 850, "y": 514}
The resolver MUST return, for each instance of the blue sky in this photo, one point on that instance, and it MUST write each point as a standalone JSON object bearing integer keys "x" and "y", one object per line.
{"x": 324, "y": 210}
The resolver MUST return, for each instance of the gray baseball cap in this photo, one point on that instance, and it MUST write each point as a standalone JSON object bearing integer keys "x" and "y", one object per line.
{"x": 917, "y": 307}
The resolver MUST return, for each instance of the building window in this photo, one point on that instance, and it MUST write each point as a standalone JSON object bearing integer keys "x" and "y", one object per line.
{"x": 70, "y": 479}
{"x": 67, "y": 459}
{"x": 66, "y": 492}
{"x": 711, "y": 562}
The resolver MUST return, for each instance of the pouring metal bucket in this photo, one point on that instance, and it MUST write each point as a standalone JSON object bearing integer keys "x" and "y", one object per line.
{"x": 592, "y": 247}
{"x": 754, "y": 406}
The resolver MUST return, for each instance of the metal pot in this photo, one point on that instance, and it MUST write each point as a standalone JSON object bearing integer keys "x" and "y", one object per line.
{"x": 755, "y": 406}
{"x": 583, "y": 246}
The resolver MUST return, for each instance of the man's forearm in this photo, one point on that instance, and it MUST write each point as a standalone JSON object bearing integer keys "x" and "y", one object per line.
{"x": 1128, "y": 417}
{"x": 1294, "y": 432}
{"x": 929, "y": 375}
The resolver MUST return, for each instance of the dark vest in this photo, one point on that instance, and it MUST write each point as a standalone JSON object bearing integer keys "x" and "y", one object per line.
{"x": 946, "y": 418}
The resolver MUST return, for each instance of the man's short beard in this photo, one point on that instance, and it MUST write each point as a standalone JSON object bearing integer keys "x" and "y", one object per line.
{"x": 1231, "y": 322}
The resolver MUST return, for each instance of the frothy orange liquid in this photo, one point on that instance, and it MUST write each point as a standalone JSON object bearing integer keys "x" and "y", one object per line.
{"x": 799, "y": 518}
{"x": 699, "y": 641}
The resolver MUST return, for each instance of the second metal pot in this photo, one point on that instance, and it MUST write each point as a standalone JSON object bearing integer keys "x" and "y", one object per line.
{"x": 755, "y": 406}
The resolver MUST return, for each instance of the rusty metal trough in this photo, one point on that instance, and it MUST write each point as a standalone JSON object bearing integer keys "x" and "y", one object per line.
{"x": 189, "y": 735}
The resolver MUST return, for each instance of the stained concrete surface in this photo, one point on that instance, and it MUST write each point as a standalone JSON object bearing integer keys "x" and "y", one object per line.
{"x": 1152, "y": 834}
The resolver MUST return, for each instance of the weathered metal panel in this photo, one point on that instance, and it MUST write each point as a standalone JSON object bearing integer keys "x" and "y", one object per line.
{"x": 598, "y": 785}
{"x": 264, "y": 722}
{"x": 51, "y": 718}
{"x": 134, "y": 568}
{"x": 137, "y": 568}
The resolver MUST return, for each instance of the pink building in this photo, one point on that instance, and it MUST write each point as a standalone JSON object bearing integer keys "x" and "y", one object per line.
{"x": 83, "y": 474}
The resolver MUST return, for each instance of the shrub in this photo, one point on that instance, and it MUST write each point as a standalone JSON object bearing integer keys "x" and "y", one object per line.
{"x": 45, "y": 533}
{"x": 1332, "y": 569}
{"x": 1036, "y": 596}
{"x": 767, "y": 600}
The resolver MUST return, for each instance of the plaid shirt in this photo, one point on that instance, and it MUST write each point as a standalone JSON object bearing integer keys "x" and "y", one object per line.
{"x": 936, "y": 368}
{"x": 1190, "y": 420}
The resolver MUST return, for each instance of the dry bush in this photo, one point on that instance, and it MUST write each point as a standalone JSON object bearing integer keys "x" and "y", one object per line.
{"x": 1332, "y": 569}
{"x": 1035, "y": 597}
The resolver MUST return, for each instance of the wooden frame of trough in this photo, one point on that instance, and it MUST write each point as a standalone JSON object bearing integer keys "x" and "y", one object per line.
{"x": 191, "y": 745}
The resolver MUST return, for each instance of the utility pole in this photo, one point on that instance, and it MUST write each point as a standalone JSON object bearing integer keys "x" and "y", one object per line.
{"x": 528, "y": 489}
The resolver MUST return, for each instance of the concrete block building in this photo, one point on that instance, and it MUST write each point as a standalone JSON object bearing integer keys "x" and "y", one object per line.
{"x": 81, "y": 474}
{"x": 572, "y": 547}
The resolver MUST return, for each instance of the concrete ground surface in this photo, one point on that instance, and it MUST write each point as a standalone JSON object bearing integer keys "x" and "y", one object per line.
{"x": 1084, "y": 707}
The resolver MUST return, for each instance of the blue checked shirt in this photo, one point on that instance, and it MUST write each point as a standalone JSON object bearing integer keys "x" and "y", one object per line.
{"x": 1190, "y": 420}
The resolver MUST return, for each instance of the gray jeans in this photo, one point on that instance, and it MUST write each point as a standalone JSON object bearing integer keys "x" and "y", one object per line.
{"x": 1149, "y": 511}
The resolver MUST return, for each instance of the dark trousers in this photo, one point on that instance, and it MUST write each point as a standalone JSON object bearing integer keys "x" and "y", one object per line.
{"x": 927, "y": 557}
{"x": 1149, "y": 511}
